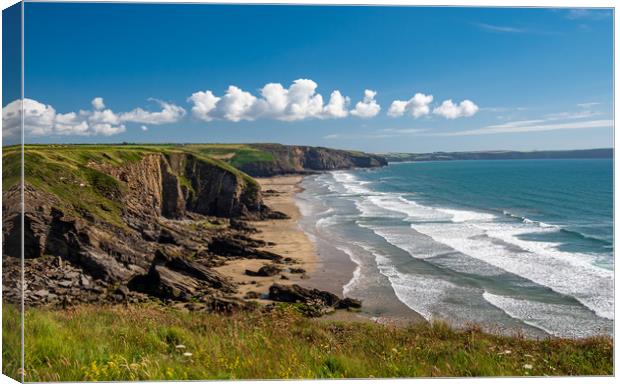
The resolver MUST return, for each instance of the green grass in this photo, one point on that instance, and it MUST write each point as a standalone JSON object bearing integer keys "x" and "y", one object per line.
{"x": 140, "y": 343}
{"x": 235, "y": 154}
{"x": 68, "y": 172}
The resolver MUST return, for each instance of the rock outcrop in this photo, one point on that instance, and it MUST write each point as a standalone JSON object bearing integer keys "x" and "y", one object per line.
{"x": 314, "y": 297}
{"x": 288, "y": 159}
{"x": 136, "y": 223}
{"x": 155, "y": 224}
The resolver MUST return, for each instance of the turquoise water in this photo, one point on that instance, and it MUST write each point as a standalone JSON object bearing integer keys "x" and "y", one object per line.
{"x": 513, "y": 245}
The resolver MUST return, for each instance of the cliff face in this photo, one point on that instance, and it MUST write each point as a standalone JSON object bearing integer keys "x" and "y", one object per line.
{"x": 172, "y": 184}
{"x": 152, "y": 219}
{"x": 304, "y": 159}
{"x": 99, "y": 218}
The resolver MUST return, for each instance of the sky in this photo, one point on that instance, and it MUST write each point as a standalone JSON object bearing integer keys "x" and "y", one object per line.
{"x": 378, "y": 79}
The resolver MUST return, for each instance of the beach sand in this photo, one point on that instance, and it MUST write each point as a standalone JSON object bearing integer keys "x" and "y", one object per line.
{"x": 288, "y": 239}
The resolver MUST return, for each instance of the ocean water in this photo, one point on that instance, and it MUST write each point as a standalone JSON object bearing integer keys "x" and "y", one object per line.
{"x": 515, "y": 245}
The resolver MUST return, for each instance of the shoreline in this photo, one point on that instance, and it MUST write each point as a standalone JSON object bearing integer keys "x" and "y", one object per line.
{"x": 287, "y": 238}
{"x": 283, "y": 236}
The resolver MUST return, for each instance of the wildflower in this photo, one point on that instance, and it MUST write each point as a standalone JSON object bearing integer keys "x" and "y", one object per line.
{"x": 187, "y": 354}
{"x": 528, "y": 366}
{"x": 180, "y": 346}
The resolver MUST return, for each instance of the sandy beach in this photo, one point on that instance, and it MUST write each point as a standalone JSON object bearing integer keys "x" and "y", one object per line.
{"x": 288, "y": 239}
{"x": 285, "y": 237}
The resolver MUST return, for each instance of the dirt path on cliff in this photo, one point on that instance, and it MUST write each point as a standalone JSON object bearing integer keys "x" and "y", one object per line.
{"x": 288, "y": 239}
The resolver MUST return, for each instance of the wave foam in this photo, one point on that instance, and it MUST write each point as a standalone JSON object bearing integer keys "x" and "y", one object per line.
{"x": 560, "y": 320}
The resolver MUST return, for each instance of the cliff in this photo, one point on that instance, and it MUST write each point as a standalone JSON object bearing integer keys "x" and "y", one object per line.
{"x": 301, "y": 159}
{"x": 263, "y": 160}
{"x": 97, "y": 217}
{"x": 151, "y": 219}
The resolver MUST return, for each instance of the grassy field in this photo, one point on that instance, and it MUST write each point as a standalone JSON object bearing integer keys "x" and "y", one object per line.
{"x": 148, "y": 343}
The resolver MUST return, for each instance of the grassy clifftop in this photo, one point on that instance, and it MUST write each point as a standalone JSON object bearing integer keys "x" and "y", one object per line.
{"x": 147, "y": 343}
{"x": 73, "y": 172}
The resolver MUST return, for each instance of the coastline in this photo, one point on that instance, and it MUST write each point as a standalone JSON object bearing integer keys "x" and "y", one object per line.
{"x": 283, "y": 236}
{"x": 287, "y": 238}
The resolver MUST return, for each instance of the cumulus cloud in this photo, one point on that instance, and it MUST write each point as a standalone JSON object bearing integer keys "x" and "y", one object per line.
{"x": 450, "y": 110}
{"x": 417, "y": 106}
{"x": 41, "y": 119}
{"x": 299, "y": 101}
{"x": 38, "y": 117}
{"x": 337, "y": 105}
{"x": 236, "y": 105}
{"x": 368, "y": 107}
{"x": 98, "y": 103}
{"x": 169, "y": 113}
{"x": 204, "y": 103}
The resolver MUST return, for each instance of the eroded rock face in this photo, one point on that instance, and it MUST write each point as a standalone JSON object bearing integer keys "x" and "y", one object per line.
{"x": 163, "y": 199}
{"x": 304, "y": 159}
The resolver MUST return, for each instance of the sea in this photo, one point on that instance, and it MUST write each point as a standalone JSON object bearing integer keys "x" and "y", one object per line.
{"x": 514, "y": 246}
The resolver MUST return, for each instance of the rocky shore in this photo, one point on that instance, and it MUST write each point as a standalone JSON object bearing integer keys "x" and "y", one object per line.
{"x": 168, "y": 227}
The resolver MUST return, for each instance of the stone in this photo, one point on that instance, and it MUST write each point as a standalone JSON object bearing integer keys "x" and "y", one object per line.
{"x": 265, "y": 271}
{"x": 348, "y": 302}
{"x": 296, "y": 294}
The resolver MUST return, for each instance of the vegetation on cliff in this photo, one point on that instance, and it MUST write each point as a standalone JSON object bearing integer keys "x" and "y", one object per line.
{"x": 154, "y": 343}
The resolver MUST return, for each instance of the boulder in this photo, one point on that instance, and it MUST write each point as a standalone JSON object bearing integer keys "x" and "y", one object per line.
{"x": 201, "y": 272}
{"x": 235, "y": 247}
{"x": 348, "y": 302}
{"x": 266, "y": 270}
{"x": 165, "y": 283}
{"x": 296, "y": 294}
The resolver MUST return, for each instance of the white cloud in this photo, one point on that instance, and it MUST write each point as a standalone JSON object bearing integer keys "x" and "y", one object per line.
{"x": 417, "y": 106}
{"x": 299, "y": 101}
{"x": 69, "y": 124}
{"x": 588, "y": 14}
{"x": 501, "y": 28}
{"x": 97, "y": 103}
{"x": 368, "y": 107}
{"x": 169, "y": 113}
{"x": 588, "y": 105}
{"x": 530, "y": 126}
{"x": 303, "y": 101}
{"x": 42, "y": 120}
{"x": 337, "y": 106}
{"x": 449, "y": 110}
{"x": 236, "y": 105}
{"x": 38, "y": 118}
{"x": 204, "y": 103}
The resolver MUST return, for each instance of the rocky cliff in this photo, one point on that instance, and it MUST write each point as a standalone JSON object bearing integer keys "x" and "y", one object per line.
{"x": 133, "y": 222}
{"x": 100, "y": 218}
{"x": 303, "y": 159}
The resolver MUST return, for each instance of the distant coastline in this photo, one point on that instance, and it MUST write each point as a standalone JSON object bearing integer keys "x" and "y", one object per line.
{"x": 596, "y": 153}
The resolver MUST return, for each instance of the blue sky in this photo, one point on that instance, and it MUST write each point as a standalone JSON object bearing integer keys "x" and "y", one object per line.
{"x": 531, "y": 78}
